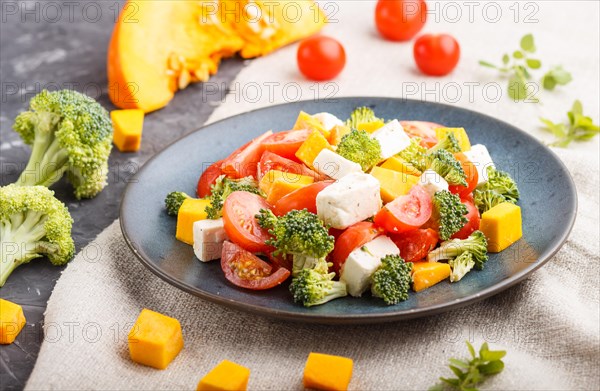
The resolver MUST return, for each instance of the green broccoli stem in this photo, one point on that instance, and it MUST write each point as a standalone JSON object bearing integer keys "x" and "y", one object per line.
{"x": 21, "y": 245}
{"x": 47, "y": 163}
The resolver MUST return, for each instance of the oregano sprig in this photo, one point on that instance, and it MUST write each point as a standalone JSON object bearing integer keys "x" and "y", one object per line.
{"x": 579, "y": 127}
{"x": 518, "y": 67}
{"x": 470, "y": 373}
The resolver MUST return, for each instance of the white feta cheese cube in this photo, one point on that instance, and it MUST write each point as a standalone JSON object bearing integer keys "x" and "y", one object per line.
{"x": 382, "y": 246}
{"x": 363, "y": 262}
{"x": 329, "y": 121}
{"x": 209, "y": 236}
{"x": 351, "y": 199}
{"x": 432, "y": 182}
{"x": 480, "y": 157}
{"x": 333, "y": 165}
{"x": 392, "y": 138}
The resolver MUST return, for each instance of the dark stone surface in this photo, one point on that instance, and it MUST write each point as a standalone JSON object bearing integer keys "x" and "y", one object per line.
{"x": 42, "y": 48}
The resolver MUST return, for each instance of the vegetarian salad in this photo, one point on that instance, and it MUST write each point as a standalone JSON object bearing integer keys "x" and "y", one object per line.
{"x": 346, "y": 207}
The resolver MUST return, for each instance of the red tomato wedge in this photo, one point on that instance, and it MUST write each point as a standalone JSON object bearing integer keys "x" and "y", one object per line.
{"x": 243, "y": 162}
{"x": 246, "y": 270}
{"x": 472, "y": 217}
{"x": 270, "y": 161}
{"x": 303, "y": 198}
{"x": 472, "y": 176}
{"x": 285, "y": 144}
{"x": 422, "y": 129}
{"x": 407, "y": 212}
{"x": 352, "y": 238}
{"x": 240, "y": 224}
{"x": 208, "y": 178}
{"x": 416, "y": 244}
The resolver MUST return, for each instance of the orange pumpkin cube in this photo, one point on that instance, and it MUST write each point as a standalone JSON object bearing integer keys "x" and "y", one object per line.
{"x": 12, "y": 321}
{"x": 427, "y": 274}
{"x": 192, "y": 210}
{"x": 128, "y": 125}
{"x": 311, "y": 147}
{"x": 227, "y": 376}
{"x": 327, "y": 372}
{"x": 155, "y": 339}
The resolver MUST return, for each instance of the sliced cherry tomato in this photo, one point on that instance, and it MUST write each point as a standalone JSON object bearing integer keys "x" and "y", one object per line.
{"x": 270, "y": 161}
{"x": 303, "y": 198}
{"x": 285, "y": 144}
{"x": 240, "y": 224}
{"x": 407, "y": 212}
{"x": 321, "y": 58}
{"x": 352, "y": 238}
{"x": 243, "y": 162}
{"x": 472, "y": 176}
{"x": 416, "y": 244}
{"x": 422, "y": 129}
{"x": 208, "y": 178}
{"x": 436, "y": 54}
{"x": 472, "y": 217}
{"x": 400, "y": 20}
{"x": 246, "y": 270}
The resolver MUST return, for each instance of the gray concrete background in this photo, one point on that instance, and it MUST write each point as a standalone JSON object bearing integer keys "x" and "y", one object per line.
{"x": 45, "y": 46}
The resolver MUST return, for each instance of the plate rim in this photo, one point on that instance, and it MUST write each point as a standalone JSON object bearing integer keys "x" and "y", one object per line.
{"x": 357, "y": 318}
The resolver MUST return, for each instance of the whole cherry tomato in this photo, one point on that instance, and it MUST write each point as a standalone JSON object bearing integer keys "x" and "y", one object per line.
{"x": 321, "y": 58}
{"x": 436, "y": 54}
{"x": 400, "y": 20}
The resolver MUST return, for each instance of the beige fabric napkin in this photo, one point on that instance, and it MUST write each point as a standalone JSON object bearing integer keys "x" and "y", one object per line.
{"x": 549, "y": 324}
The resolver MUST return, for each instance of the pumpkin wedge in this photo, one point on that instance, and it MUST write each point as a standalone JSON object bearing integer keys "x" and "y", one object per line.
{"x": 159, "y": 47}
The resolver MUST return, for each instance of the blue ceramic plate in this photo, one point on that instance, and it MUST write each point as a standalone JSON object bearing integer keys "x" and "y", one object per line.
{"x": 548, "y": 202}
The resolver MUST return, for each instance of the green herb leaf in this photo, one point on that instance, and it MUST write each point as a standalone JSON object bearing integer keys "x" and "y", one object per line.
{"x": 492, "y": 367}
{"x": 556, "y": 76}
{"x": 469, "y": 374}
{"x": 579, "y": 128}
{"x": 528, "y": 44}
{"x": 577, "y": 108}
{"x": 487, "y": 64}
{"x": 533, "y": 63}
{"x": 517, "y": 88}
{"x": 518, "y": 67}
{"x": 471, "y": 349}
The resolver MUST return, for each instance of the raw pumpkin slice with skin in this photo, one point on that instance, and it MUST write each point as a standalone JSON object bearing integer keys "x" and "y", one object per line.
{"x": 158, "y": 47}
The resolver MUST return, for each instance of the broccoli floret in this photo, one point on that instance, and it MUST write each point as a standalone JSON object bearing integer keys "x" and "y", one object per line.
{"x": 33, "y": 224}
{"x": 297, "y": 232}
{"x": 310, "y": 287}
{"x": 446, "y": 165}
{"x": 301, "y": 234}
{"x": 391, "y": 281}
{"x": 222, "y": 188}
{"x": 359, "y": 147}
{"x": 415, "y": 154}
{"x": 449, "y": 143}
{"x": 461, "y": 265}
{"x": 487, "y": 199}
{"x": 173, "y": 201}
{"x": 70, "y": 134}
{"x": 500, "y": 187}
{"x": 475, "y": 244}
{"x": 361, "y": 115}
{"x": 449, "y": 212}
